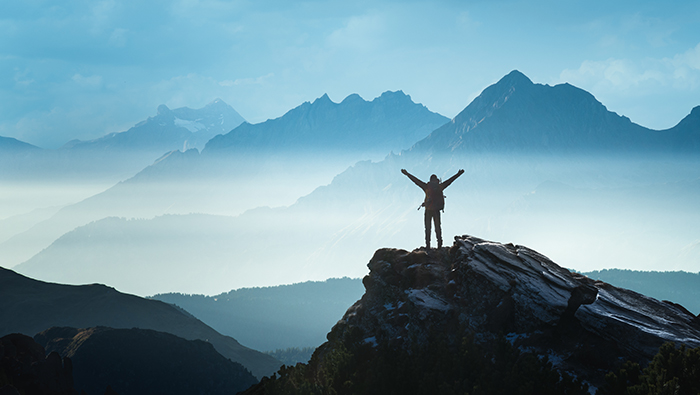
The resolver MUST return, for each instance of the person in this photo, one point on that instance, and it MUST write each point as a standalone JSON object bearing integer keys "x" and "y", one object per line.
{"x": 433, "y": 203}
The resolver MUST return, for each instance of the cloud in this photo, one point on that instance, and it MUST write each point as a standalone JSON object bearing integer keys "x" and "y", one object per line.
{"x": 248, "y": 81}
{"x": 94, "y": 81}
{"x": 680, "y": 72}
{"x": 359, "y": 33}
{"x": 118, "y": 37}
{"x": 101, "y": 13}
{"x": 687, "y": 66}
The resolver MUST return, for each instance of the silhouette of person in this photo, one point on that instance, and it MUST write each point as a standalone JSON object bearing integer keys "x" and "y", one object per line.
{"x": 433, "y": 203}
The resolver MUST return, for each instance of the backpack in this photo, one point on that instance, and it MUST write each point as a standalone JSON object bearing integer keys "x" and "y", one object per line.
{"x": 434, "y": 199}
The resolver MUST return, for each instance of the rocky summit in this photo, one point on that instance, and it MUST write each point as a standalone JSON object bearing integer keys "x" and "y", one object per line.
{"x": 497, "y": 295}
{"x": 492, "y": 288}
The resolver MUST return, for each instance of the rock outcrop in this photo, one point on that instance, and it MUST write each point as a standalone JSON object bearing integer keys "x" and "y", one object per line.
{"x": 497, "y": 294}
{"x": 494, "y": 288}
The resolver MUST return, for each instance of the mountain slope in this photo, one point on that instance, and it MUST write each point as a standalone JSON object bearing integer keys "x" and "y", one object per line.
{"x": 9, "y": 145}
{"x": 29, "y": 306}
{"x": 483, "y": 317}
{"x": 13, "y": 156}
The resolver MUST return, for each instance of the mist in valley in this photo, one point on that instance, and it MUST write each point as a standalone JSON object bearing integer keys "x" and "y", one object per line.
{"x": 209, "y": 236}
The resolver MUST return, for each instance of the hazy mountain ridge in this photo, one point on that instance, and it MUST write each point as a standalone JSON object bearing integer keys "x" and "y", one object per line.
{"x": 9, "y": 145}
{"x": 190, "y": 182}
{"x": 178, "y": 129}
{"x": 29, "y": 306}
{"x": 226, "y": 249}
{"x": 120, "y": 155}
{"x": 271, "y": 318}
{"x": 437, "y": 319}
{"x": 391, "y": 121}
{"x": 678, "y": 287}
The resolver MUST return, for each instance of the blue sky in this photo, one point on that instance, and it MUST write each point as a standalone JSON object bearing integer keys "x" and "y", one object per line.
{"x": 81, "y": 69}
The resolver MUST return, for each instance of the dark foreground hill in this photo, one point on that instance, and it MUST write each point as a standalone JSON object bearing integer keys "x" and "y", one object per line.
{"x": 481, "y": 318}
{"x": 29, "y": 306}
{"x": 26, "y": 369}
{"x": 141, "y": 361}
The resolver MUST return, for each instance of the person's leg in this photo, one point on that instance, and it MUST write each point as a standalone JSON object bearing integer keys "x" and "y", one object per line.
{"x": 438, "y": 228}
{"x": 428, "y": 218}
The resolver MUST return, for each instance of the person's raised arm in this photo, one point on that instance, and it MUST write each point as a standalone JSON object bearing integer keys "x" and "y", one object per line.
{"x": 449, "y": 181}
{"x": 413, "y": 178}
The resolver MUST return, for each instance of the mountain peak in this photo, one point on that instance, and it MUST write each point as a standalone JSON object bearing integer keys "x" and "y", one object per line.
{"x": 323, "y": 100}
{"x": 393, "y": 96}
{"x": 694, "y": 115}
{"x": 353, "y": 98}
{"x": 216, "y": 103}
{"x": 163, "y": 109}
{"x": 517, "y": 115}
{"x": 515, "y": 77}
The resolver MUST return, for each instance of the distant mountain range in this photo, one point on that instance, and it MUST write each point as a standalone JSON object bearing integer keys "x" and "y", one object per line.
{"x": 271, "y": 318}
{"x": 29, "y": 306}
{"x": 391, "y": 122}
{"x": 117, "y": 156}
{"x": 179, "y": 129}
{"x": 678, "y": 287}
{"x": 517, "y": 116}
{"x": 221, "y": 180}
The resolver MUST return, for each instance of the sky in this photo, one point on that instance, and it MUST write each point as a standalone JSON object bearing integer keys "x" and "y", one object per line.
{"x": 78, "y": 69}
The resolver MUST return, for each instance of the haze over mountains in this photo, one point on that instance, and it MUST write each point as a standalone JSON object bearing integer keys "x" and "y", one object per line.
{"x": 37, "y": 182}
{"x": 117, "y": 156}
{"x": 549, "y": 166}
{"x": 223, "y": 181}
